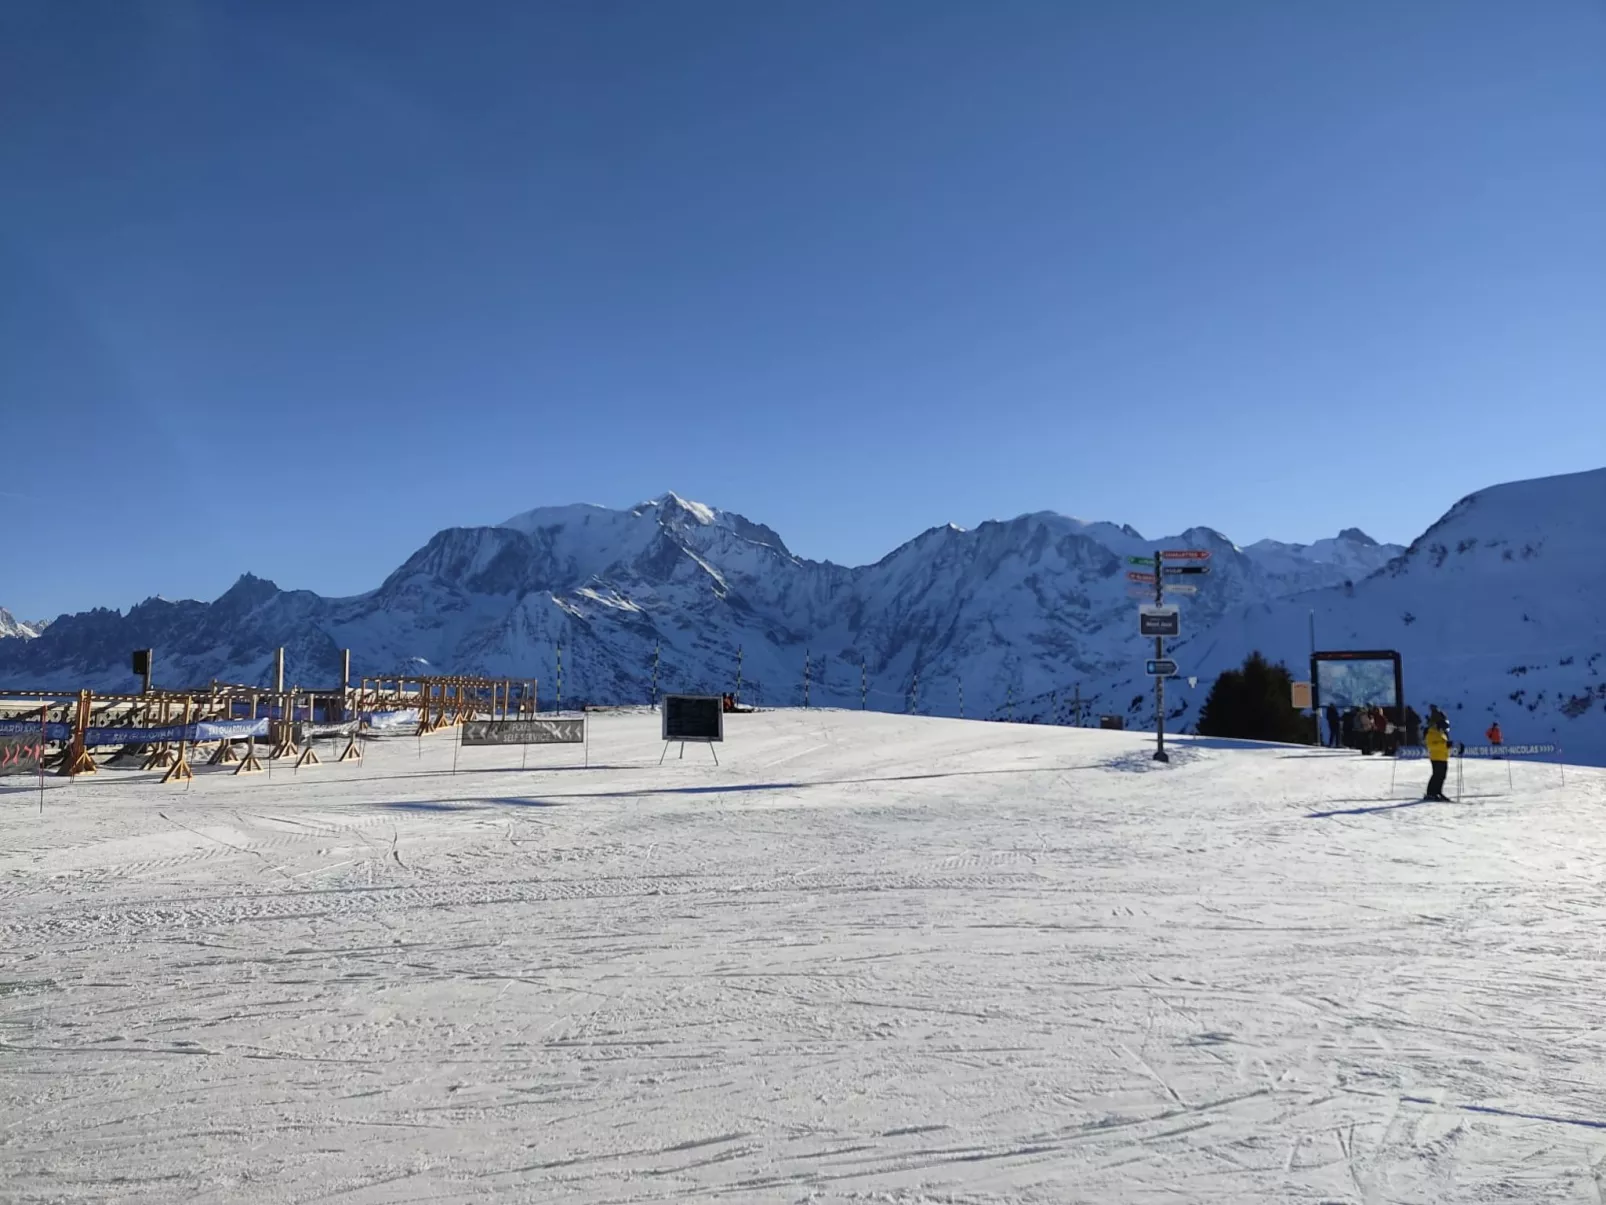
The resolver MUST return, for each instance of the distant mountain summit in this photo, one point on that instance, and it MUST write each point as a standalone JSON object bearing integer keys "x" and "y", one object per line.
{"x": 1005, "y": 619}
{"x": 11, "y": 626}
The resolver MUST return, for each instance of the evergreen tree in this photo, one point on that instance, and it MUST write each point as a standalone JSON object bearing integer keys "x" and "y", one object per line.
{"x": 1254, "y": 703}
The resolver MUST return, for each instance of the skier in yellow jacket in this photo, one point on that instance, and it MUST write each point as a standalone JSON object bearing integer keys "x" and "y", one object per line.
{"x": 1437, "y": 739}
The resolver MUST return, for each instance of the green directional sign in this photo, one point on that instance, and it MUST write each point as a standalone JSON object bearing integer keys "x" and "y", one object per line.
{"x": 1140, "y": 560}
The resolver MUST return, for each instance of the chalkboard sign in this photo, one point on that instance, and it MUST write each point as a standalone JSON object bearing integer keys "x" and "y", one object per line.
{"x": 694, "y": 718}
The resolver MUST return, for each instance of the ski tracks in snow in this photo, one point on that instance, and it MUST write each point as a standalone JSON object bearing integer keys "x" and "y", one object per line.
{"x": 936, "y": 962}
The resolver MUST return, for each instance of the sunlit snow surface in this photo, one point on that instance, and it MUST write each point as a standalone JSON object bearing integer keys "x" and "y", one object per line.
{"x": 867, "y": 958}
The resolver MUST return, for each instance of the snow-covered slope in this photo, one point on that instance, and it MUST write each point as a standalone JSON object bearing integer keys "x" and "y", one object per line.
{"x": 1007, "y": 619}
{"x": 866, "y": 958}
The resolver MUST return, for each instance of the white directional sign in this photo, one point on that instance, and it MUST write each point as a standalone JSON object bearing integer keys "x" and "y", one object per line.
{"x": 1181, "y": 589}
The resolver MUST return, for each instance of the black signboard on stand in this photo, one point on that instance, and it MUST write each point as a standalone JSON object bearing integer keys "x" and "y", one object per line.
{"x": 698, "y": 718}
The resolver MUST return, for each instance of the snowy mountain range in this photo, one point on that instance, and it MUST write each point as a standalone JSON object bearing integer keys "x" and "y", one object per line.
{"x": 10, "y": 625}
{"x": 1011, "y": 619}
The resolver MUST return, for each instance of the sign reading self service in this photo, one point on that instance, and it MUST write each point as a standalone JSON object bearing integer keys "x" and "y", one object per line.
{"x": 564, "y": 730}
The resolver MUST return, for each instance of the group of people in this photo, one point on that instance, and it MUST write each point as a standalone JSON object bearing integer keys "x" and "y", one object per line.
{"x": 1372, "y": 729}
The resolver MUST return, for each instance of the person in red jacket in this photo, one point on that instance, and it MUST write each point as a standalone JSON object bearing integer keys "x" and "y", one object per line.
{"x": 1493, "y": 735}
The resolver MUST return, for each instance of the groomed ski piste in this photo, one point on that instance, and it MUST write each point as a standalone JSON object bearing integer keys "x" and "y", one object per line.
{"x": 865, "y": 958}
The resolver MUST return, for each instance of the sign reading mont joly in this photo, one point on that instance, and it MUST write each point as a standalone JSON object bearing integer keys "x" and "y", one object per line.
{"x": 1159, "y": 621}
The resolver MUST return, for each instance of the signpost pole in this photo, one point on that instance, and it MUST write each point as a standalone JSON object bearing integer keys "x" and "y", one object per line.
{"x": 1159, "y": 679}
{"x": 44, "y": 730}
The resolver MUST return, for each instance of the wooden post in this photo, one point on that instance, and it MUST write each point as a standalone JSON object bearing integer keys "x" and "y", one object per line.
{"x": 162, "y": 756}
{"x": 181, "y": 765}
{"x": 77, "y": 759}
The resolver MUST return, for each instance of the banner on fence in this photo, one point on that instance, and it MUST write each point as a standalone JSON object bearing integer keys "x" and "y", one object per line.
{"x": 565, "y": 731}
{"x": 206, "y": 730}
{"x": 33, "y": 728}
{"x": 380, "y": 721}
{"x": 305, "y": 732}
{"x": 1417, "y": 753}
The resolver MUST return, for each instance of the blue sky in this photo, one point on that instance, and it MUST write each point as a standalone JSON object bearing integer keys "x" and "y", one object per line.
{"x": 288, "y": 287}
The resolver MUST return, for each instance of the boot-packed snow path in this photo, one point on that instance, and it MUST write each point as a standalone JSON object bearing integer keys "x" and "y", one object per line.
{"x": 868, "y": 958}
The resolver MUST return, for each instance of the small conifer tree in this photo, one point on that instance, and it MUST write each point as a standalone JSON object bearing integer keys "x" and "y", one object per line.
{"x": 1254, "y": 703}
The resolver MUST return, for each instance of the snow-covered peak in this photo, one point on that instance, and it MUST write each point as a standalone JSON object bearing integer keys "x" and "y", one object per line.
{"x": 557, "y": 516}
{"x": 1350, "y": 556}
{"x": 1556, "y": 517}
{"x": 1356, "y": 536}
{"x": 10, "y": 625}
{"x": 672, "y": 507}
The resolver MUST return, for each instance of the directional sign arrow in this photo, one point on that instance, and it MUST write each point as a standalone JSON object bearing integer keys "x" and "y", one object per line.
{"x": 1160, "y": 668}
{"x": 1140, "y": 560}
{"x": 1174, "y": 569}
{"x": 1186, "y": 554}
{"x": 1140, "y": 577}
{"x": 1179, "y": 588}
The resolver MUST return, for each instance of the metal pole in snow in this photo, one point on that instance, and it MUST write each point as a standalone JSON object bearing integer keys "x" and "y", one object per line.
{"x": 1159, "y": 679}
{"x": 44, "y": 715}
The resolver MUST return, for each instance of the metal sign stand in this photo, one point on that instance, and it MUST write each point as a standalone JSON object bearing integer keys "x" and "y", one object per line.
{"x": 682, "y": 757}
{"x": 1159, "y": 655}
{"x": 1160, "y": 668}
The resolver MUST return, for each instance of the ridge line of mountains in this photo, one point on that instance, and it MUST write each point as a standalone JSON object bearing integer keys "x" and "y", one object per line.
{"x": 1495, "y": 609}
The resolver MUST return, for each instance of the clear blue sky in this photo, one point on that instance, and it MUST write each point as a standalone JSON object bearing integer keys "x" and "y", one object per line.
{"x": 287, "y": 287}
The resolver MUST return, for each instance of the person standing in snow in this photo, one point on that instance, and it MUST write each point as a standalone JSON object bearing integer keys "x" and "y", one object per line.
{"x": 1437, "y": 738}
{"x": 1383, "y": 725}
{"x": 1363, "y": 730}
{"x": 1493, "y": 736}
{"x": 1334, "y": 732}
